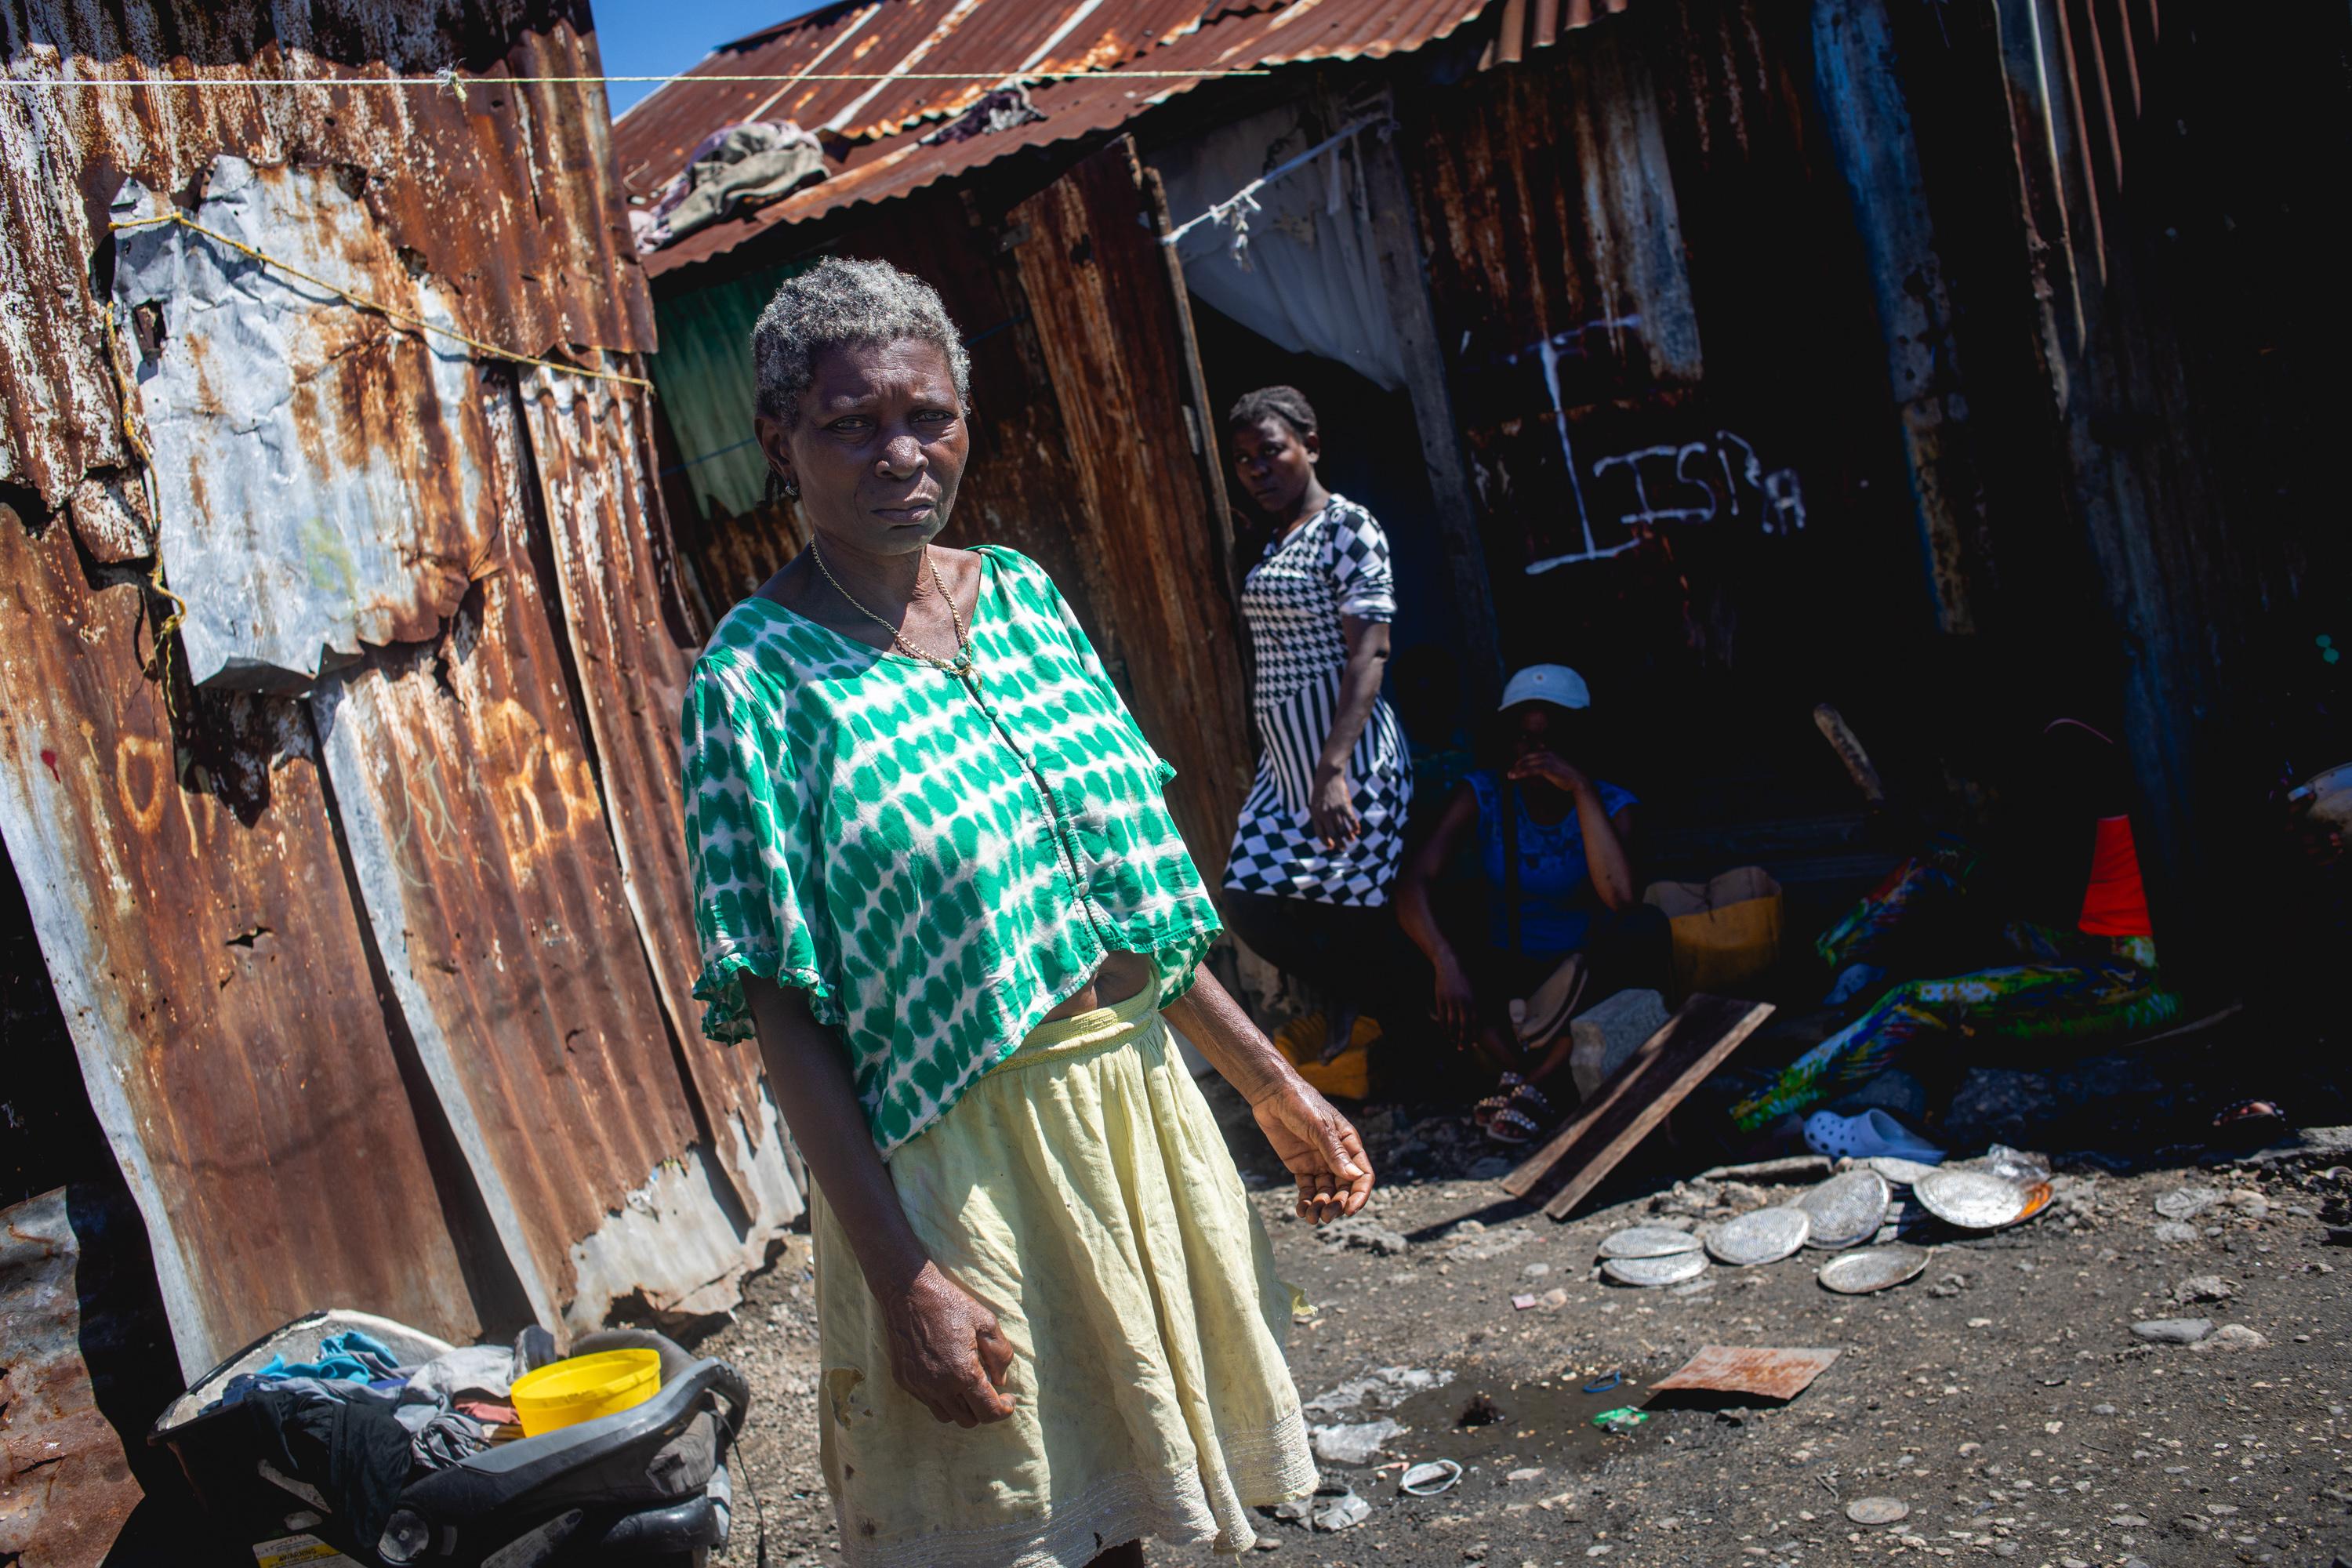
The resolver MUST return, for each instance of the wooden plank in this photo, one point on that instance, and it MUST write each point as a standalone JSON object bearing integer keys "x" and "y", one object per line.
{"x": 1631, "y": 1104}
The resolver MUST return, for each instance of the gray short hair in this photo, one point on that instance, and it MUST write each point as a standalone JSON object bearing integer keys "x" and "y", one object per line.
{"x": 840, "y": 302}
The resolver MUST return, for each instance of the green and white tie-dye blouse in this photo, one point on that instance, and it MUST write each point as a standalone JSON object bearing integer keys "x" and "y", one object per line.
{"x": 938, "y": 864}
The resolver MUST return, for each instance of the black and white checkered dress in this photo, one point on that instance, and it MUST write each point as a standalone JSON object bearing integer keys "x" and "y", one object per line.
{"x": 1335, "y": 563}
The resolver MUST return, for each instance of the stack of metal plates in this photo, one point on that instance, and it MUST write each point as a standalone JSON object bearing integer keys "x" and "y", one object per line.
{"x": 1846, "y": 1209}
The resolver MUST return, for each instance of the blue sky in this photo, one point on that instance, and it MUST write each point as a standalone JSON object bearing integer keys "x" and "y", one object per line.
{"x": 659, "y": 38}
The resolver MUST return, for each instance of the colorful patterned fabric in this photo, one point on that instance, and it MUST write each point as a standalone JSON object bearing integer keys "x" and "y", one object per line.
{"x": 937, "y": 863}
{"x": 1334, "y": 564}
{"x": 2111, "y": 988}
{"x": 1938, "y": 874}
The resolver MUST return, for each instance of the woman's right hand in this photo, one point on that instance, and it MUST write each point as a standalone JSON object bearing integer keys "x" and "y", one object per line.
{"x": 947, "y": 1350}
{"x": 1457, "y": 1005}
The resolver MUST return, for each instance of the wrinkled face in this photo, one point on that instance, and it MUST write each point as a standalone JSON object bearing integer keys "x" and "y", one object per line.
{"x": 1274, "y": 464}
{"x": 880, "y": 445}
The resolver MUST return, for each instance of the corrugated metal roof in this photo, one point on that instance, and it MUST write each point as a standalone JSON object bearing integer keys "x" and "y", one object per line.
{"x": 1110, "y": 40}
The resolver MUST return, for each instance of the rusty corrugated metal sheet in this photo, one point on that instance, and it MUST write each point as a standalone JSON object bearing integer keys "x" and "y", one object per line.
{"x": 1116, "y": 340}
{"x": 652, "y": 141}
{"x": 66, "y": 1485}
{"x": 320, "y": 472}
{"x": 592, "y": 454}
{"x": 479, "y": 842}
{"x": 540, "y": 262}
{"x": 213, "y": 974}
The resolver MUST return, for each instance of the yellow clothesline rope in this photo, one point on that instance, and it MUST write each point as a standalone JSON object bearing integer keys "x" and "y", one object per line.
{"x": 399, "y": 317}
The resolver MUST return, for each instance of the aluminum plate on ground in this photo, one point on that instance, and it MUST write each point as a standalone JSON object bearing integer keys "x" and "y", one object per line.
{"x": 1846, "y": 1209}
{"x": 1894, "y": 1168}
{"x": 1760, "y": 1235}
{"x": 1649, "y": 1241}
{"x": 1669, "y": 1270}
{"x": 1873, "y": 1268}
{"x": 1973, "y": 1200}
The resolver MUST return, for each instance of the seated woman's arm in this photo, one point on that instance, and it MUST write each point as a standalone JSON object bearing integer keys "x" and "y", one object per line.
{"x": 1457, "y": 1010}
{"x": 946, "y": 1348}
{"x": 1608, "y": 841}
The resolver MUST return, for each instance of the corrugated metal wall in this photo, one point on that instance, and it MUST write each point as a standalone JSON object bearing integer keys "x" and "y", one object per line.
{"x": 361, "y": 886}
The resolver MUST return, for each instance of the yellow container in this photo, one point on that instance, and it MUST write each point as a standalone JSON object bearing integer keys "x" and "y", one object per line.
{"x": 566, "y": 1393}
{"x": 1348, "y": 1075}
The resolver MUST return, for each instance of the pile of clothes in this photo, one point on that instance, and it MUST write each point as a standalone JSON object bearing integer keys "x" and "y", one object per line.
{"x": 732, "y": 170}
{"x": 362, "y": 1427}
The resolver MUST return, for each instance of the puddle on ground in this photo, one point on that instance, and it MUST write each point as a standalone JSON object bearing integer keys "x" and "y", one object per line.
{"x": 1552, "y": 1427}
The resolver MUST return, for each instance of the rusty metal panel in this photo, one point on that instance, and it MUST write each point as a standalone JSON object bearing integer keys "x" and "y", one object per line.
{"x": 319, "y": 471}
{"x": 996, "y": 40}
{"x": 66, "y": 1486}
{"x": 1755, "y": 1370}
{"x": 541, "y": 261}
{"x": 214, "y": 976}
{"x": 480, "y": 841}
{"x": 1116, "y": 340}
{"x": 592, "y": 454}
{"x": 1670, "y": 387}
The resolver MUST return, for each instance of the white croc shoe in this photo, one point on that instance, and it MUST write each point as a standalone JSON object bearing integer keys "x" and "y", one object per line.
{"x": 1868, "y": 1135}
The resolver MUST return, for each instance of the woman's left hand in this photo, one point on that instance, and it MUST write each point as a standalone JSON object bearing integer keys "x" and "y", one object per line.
{"x": 1318, "y": 1147}
{"x": 1332, "y": 810}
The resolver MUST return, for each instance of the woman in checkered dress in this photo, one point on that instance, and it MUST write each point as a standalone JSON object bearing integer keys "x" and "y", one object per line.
{"x": 1322, "y": 832}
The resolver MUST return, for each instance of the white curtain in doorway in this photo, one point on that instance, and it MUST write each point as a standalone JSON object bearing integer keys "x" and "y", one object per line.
{"x": 1306, "y": 274}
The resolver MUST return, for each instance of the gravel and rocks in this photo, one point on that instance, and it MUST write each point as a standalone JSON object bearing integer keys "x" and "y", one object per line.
{"x": 2011, "y": 1398}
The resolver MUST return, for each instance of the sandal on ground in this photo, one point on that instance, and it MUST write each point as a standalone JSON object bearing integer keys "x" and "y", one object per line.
{"x": 1528, "y": 1116}
{"x": 1483, "y": 1113}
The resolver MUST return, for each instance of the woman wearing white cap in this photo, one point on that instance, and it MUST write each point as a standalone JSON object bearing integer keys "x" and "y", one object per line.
{"x": 1556, "y": 846}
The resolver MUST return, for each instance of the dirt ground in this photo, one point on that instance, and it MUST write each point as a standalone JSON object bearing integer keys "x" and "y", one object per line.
{"x": 2002, "y": 1395}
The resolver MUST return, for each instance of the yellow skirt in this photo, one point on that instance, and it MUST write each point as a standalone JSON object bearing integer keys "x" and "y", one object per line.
{"x": 1082, "y": 1193}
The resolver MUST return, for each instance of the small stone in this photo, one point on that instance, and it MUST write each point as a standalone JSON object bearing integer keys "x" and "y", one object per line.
{"x": 2173, "y": 1330}
{"x": 1517, "y": 1476}
{"x": 2129, "y": 1520}
{"x": 2103, "y": 1410}
{"x": 1877, "y": 1509}
{"x": 1981, "y": 1322}
{"x": 1493, "y": 1168}
{"x": 1535, "y": 1270}
{"x": 2187, "y": 1203}
{"x": 2203, "y": 1287}
{"x": 2251, "y": 1203}
{"x": 2234, "y": 1337}
{"x": 2173, "y": 1233}
{"x": 2004, "y": 1549}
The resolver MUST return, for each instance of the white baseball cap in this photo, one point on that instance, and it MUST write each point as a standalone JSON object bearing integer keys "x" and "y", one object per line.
{"x": 1553, "y": 683}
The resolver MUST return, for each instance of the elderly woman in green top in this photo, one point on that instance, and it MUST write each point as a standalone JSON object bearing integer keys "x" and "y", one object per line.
{"x": 937, "y": 882}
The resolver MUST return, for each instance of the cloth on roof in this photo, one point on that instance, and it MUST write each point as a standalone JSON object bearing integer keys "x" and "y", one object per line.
{"x": 1005, "y": 109}
{"x": 731, "y": 170}
{"x": 1298, "y": 264}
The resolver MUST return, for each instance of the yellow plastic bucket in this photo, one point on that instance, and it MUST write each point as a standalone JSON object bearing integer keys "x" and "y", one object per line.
{"x": 566, "y": 1393}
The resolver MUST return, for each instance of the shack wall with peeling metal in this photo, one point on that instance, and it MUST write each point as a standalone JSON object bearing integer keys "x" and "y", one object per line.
{"x": 591, "y": 455}
{"x": 468, "y": 582}
{"x": 534, "y": 266}
{"x": 1670, "y": 387}
{"x": 215, "y": 979}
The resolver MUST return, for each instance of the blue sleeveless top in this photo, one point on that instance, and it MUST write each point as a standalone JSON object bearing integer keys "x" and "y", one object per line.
{"x": 1556, "y": 899}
